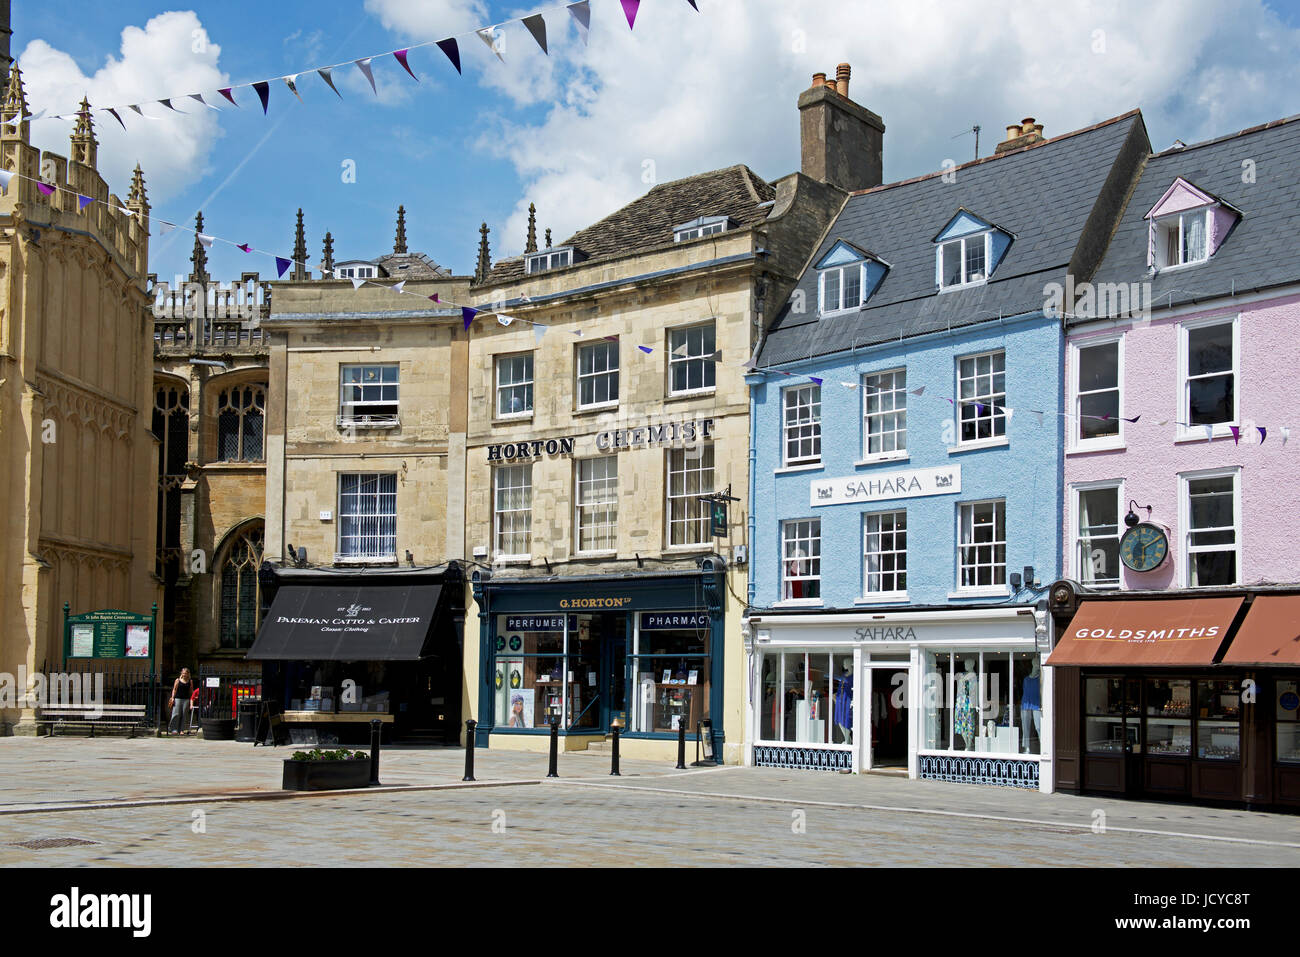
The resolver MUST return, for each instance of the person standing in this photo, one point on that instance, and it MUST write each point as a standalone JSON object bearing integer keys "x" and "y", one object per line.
{"x": 179, "y": 703}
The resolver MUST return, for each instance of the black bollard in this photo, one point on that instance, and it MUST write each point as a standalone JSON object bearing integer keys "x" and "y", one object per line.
{"x": 553, "y": 770}
{"x": 614, "y": 770}
{"x": 681, "y": 745}
{"x": 470, "y": 725}
{"x": 375, "y": 725}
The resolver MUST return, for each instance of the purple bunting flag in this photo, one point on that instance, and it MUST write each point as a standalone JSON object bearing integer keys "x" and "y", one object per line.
{"x": 449, "y": 47}
{"x": 1236, "y": 434}
{"x": 263, "y": 89}
{"x": 83, "y": 202}
{"x": 228, "y": 95}
{"x": 364, "y": 66}
{"x": 468, "y": 314}
{"x": 281, "y": 264}
{"x": 629, "y": 10}
{"x": 245, "y": 247}
{"x": 581, "y": 13}
{"x": 815, "y": 379}
{"x": 1263, "y": 433}
{"x": 693, "y": 6}
{"x": 400, "y": 56}
{"x": 434, "y": 298}
{"x": 537, "y": 27}
{"x": 45, "y": 189}
{"x": 979, "y": 408}
{"x": 646, "y": 349}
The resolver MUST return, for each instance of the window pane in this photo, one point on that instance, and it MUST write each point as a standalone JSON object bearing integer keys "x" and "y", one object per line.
{"x": 803, "y": 441}
{"x": 852, "y": 286}
{"x": 952, "y": 263}
{"x": 831, "y": 290}
{"x": 802, "y": 562}
{"x": 885, "y": 415}
{"x": 974, "y": 258}
{"x": 1209, "y": 349}
{"x": 1210, "y": 400}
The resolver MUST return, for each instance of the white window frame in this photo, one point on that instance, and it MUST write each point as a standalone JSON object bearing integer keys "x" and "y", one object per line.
{"x": 525, "y": 471}
{"x": 795, "y": 569}
{"x": 1076, "y": 561}
{"x": 1165, "y": 225}
{"x": 372, "y": 556}
{"x": 962, "y": 509}
{"x": 898, "y": 594}
{"x": 548, "y": 259}
{"x": 899, "y": 392}
{"x": 795, "y": 431}
{"x": 608, "y": 502}
{"x": 1077, "y": 443}
{"x": 592, "y": 376}
{"x": 841, "y": 306}
{"x": 695, "y": 512}
{"x": 348, "y": 417}
{"x": 697, "y": 229}
{"x": 674, "y": 360}
{"x": 1185, "y": 549}
{"x": 996, "y": 416}
{"x": 530, "y": 382}
{"x": 1186, "y": 431}
{"x": 986, "y": 238}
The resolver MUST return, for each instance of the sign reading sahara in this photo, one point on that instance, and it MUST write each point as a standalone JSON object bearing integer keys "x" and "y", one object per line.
{"x": 882, "y": 485}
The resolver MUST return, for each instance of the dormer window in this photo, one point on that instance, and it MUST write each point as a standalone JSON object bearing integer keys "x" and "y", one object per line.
{"x": 1187, "y": 226}
{"x": 967, "y": 251}
{"x": 696, "y": 228}
{"x": 846, "y": 278}
{"x": 550, "y": 259}
{"x": 356, "y": 271}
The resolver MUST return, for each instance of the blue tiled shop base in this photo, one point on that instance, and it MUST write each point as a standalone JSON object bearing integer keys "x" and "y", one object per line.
{"x": 804, "y": 759}
{"x": 1008, "y": 772}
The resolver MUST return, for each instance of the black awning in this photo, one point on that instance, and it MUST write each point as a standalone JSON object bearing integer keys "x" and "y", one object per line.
{"x": 347, "y": 623}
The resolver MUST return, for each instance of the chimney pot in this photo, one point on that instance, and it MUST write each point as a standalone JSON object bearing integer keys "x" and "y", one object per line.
{"x": 842, "y": 79}
{"x": 819, "y": 79}
{"x": 1013, "y": 132}
{"x": 840, "y": 141}
{"x": 1027, "y": 125}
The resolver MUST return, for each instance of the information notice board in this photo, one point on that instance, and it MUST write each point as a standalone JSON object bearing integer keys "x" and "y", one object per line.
{"x": 108, "y": 633}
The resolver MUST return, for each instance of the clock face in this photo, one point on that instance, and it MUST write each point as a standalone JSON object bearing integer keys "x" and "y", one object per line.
{"x": 1144, "y": 547}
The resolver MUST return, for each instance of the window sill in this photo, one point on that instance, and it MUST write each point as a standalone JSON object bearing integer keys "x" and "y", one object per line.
{"x": 592, "y": 409}
{"x": 1197, "y": 433}
{"x": 882, "y": 598}
{"x": 978, "y": 445}
{"x": 810, "y": 467}
{"x": 964, "y": 285}
{"x": 799, "y": 603}
{"x": 1087, "y": 449}
{"x": 609, "y": 553}
{"x": 513, "y": 417}
{"x": 693, "y": 394}
{"x": 987, "y": 591}
{"x": 513, "y": 559}
{"x": 688, "y": 549}
{"x": 365, "y": 559}
{"x": 883, "y": 458}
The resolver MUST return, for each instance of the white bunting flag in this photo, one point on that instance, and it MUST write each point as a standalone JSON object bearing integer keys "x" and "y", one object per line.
{"x": 849, "y": 385}
{"x": 364, "y": 66}
{"x": 1286, "y": 434}
{"x": 164, "y": 227}
{"x": 291, "y": 81}
{"x": 581, "y": 13}
{"x": 357, "y": 284}
{"x": 397, "y": 287}
{"x": 1209, "y": 432}
{"x": 199, "y": 97}
{"x": 5, "y": 177}
{"x": 1039, "y": 416}
{"x": 205, "y": 240}
{"x": 489, "y": 36}
{"x": 539, "y": 330}
{"x": 1008, "y": 412}
{"x": 504, "y": 319}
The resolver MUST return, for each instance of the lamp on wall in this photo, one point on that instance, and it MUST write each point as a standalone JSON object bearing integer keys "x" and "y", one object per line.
{"x": 1131, "y": 518}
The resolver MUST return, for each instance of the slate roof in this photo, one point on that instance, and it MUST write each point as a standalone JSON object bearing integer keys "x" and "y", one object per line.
{"x": 1262, "y": 250}
{"x": 1042, "y": 194}
{"x": 647, "y": 223}
{"x": 410, "y": 266}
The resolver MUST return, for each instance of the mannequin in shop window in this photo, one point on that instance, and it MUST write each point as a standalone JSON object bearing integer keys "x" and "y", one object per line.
{"x": 1031, "y": 709}
{"x": 844, "y": 705}
{"x": 966, "y": 720}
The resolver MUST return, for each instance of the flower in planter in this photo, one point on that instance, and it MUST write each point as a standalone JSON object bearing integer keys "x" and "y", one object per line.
{"x": 316, "y": 754}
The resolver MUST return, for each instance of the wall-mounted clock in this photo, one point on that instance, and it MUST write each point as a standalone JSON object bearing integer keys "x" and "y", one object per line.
{"x": 1144, "y": 547}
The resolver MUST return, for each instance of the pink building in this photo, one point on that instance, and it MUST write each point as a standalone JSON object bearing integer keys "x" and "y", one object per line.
{"x": 1182, "y": 375}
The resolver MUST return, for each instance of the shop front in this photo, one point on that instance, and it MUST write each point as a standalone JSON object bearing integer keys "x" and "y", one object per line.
{"x": 1181, "y": 698}
{"x": 342, "y": 649}
{"x": 943, "y": 694}
{"x": 643, "y": 651}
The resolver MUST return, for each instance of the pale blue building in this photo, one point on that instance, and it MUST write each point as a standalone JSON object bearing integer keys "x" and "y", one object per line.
{"x": 907, "y": 436}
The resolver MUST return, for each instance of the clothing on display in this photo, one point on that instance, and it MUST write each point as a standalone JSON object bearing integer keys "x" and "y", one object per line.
{"x": 964, "y": 723}
{"x": 1030, "y": 694}
{"x": 844, "y": 706}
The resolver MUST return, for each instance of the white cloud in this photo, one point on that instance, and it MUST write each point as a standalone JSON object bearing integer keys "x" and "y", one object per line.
{"x": 430, "y": 19}
{"x": 697, "y": 91}
{"x": 171, "y": 54}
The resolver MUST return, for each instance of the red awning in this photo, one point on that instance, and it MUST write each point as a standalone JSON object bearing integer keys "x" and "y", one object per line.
{"x": 1162, "y": 632}
{"x": 1270, "y": 635}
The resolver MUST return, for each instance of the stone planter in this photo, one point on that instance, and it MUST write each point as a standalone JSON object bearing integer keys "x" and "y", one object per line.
{"x": 325, "y": 775}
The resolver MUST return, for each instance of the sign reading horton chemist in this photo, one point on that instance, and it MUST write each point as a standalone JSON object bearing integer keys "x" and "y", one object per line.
{"x": 656, "y": 433}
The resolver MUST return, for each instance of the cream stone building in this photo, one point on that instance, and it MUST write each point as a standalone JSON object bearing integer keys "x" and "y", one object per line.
{"x": 78, "y": 467}
{"x": 608, "y": 419}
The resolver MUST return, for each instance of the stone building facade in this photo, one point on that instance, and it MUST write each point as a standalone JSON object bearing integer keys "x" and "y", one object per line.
{"x": 77, "y": 473}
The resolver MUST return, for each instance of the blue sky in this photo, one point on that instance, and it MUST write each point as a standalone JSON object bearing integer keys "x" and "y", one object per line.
{"x": 586, "y": 129}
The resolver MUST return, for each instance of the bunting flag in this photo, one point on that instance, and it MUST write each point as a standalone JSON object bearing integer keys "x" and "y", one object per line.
{"x": 83, "y": 202}
{"x": 919, "y": 391}
{"x": 327, "y": 74}
{"x": 245, "y": 247}
{"x": 1263, "y": 434}
{"x": 1008, "y": 412}
{"x": 537, "y": 27}
{"x": 165, "y": 227}
{"x": 693, "y": 6}
{"x": 364, "y": 66}
{"x": 291, "y": 82}
{"x": 467, "y": 314}
{"x": 629, "y": 10}
{"x": 357, "y": 284}
{"x": 815, "y": 379}
{"x": 539, "y": 330}
{"x": 281, "y": 264}
{"x": 450, "y": 48}
{"x": 1286, "y": 434}
{"x": 646, "y": 349}
{"x": 1039, "y": 416}
{"x": 1236, "y": 434}
{"x": 205, "y": 240}
{"x": 263, "y": 89}
{"x": 397, "y": 286}
{"x": 228, "y": 95}
{"x": 199, "y": 97}
{"x": 581, "y": 13}
{"x": 434, "y": 298}
{"x": 168, "y": 103}
{"x": 1209, "y": 432}
{"x": 505, "y": 320}
{"x": 849, "y": 385}
{"x": 116, "y": 117}
{"x": 400, "y": 56}
{"x": 979, "y": 408}
{"x": 138, "y": 110}
{"x": 45, "y": 188}
{"x": 489, "y": 35}
{"x": 5, "y": 177}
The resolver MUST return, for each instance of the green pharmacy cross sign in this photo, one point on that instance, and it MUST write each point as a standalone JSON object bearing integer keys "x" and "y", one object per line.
{"x": 718, "y": 511}
{"x": 109, "y": 633}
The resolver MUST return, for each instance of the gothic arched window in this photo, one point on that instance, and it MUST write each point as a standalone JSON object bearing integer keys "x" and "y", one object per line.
{"x": 240, "y": 419}
{"x": 240, "y": 591}
{"x": 171, "y": 426}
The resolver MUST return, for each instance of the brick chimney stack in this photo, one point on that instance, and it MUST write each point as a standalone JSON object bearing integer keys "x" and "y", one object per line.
{"x": 840, "y": 141}
{"x": 1024, "y": 133}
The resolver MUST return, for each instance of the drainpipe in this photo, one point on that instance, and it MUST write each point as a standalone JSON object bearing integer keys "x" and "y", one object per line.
{"x": 753, "y": 459}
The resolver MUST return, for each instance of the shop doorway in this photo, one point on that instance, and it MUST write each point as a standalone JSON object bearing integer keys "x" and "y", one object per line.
{"x": 887, "y": 718}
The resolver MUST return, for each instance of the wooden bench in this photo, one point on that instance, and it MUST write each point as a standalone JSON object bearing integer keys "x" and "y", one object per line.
{"x": 129, "y": 716}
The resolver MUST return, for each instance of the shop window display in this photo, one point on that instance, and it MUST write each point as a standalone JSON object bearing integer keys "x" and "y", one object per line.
{"x": 1169, "y": 716}
{"x": 671, "y": 666}
{"x": 983, "y": 701}
{"x": 807, "y": 698}
{"x": 1218, "y": 720}
{"x": 1287, "y": 702}
{"x": 528, "y": 683}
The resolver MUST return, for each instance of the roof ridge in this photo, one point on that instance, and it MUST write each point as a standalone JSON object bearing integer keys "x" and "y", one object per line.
{"x": 997, "y": 156}
{"x": 1173, "y": 150}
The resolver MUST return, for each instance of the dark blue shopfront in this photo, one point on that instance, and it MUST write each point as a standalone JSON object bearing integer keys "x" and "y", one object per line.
{"x": 643, "y": 650}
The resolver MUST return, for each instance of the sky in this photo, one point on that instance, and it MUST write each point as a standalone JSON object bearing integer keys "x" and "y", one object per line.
{"x": 585, "y": 129}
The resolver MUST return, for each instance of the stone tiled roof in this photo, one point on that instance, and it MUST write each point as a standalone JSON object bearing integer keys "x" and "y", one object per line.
{"x": 1042, "y": 194}
{"x": 1262, "y": 250}
{"x": 410, "y": 266}
{"x": 647, "y": 223}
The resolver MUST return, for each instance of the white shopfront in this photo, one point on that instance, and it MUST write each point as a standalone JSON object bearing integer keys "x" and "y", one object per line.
{"x": 946, "y": 694}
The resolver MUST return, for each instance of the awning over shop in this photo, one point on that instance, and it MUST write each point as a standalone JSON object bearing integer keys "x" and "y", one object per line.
{"x": 347, "y": 623}
{"x": 1270, "y": 635}
{"x": 1179, "y": 631}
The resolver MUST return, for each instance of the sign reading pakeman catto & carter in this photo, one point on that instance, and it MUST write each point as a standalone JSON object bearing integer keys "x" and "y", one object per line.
{"x": 663, "y": 433}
